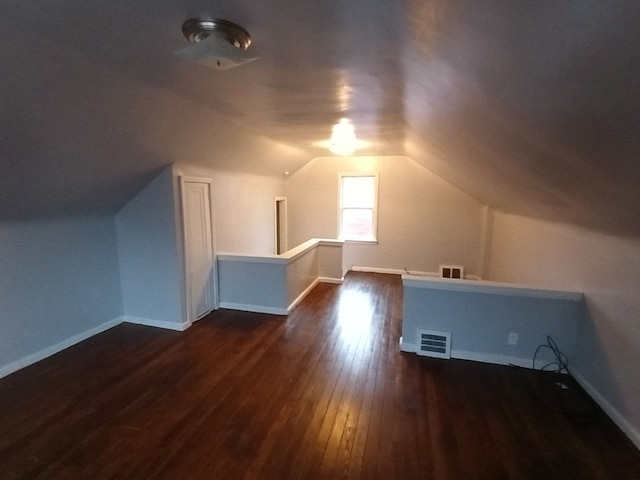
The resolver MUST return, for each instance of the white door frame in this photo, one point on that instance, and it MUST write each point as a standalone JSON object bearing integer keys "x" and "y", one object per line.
{"x": 184, "y": 179}
{"x": 285, "y": 230}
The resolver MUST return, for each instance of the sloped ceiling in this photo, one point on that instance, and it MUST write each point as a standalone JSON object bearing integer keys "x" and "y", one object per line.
{"x": 530, "y": 107}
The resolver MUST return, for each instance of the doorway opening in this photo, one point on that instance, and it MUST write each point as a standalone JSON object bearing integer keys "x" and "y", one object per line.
{"x": 281, "y": 225}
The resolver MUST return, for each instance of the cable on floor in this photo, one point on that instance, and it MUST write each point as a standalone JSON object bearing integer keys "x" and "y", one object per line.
{"x": 574, "y": 403}
{"x": 561, "y": 362}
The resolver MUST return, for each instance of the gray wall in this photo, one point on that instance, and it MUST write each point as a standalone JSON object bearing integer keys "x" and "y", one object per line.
{"x": 64, "y": 280}
{"x": 58, "y": 279}
{"x": 480, "y": 316}
{"x": 149, "y": 254}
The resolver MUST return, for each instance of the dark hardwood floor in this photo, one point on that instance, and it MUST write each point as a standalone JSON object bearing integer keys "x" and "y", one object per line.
{"x": 324, "y": 393}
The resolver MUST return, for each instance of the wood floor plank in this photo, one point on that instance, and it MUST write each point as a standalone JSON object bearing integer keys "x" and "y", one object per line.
{"x": 322, "y": 393}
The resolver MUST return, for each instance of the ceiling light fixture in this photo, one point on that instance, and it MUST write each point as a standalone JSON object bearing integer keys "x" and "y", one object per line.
{"x": 215, "y": 43}
{"x": 343, "y": 138}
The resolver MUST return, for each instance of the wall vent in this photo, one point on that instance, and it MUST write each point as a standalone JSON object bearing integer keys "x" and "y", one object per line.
{"x": 451, "y": 271}
{"x": 432, "y": 343}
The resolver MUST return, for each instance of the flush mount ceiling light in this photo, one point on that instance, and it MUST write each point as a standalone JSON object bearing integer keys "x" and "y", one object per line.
{"x": 215, "y": 43}
{"x": 343, "y": 138}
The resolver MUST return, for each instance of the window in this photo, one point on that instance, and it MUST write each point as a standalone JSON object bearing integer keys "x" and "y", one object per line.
{"x": 358, "y": 206}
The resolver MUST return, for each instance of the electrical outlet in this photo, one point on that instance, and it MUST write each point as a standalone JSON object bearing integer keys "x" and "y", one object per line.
{"x": 513, "y": 338}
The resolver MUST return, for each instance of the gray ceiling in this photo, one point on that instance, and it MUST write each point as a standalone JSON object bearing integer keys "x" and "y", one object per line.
{"x": 532, "y": 107}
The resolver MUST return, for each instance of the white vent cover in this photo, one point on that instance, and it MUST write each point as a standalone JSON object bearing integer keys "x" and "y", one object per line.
{"x": 451, "y": 271}
{"x": 432, "y": 343}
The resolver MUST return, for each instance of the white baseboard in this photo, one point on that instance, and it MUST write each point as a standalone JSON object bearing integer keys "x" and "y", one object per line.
{"x": 58, "y": 347}
{"x": 479, "y": 357}
{"x": 69, "y": 342}
{"x": 254, "y": 308}
{"x": 613, "y": 413}
{"x": 307, "y": 290}
{"x": 280, "y": 311}
{"x": 628, "y": 429}
{"x": 392, "y": 271}
{"x": 408, "y": 347}
{"x": 495, "y": 359}
{"x": 300, "y": 297}
{"x": 398, "y": 271}
{"x": 337, "y": 281}
{"x": 418, "y": 273}
{"x": 181, "y": 327}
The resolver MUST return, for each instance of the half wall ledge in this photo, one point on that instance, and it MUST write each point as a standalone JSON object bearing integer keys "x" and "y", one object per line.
{"x": 491, "y": 322}
{"x": 277, "y": 283}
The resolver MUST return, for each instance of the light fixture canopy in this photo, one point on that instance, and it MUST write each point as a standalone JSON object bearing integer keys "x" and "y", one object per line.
{"x": 197, "y": 29}
{"x": 216, "y": 43}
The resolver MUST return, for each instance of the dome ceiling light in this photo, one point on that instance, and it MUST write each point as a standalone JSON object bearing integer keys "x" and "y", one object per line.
{"x": 343, "y": 138}
{"x": 216, "y": 43}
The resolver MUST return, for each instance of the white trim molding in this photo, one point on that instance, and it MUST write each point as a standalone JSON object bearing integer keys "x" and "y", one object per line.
{"x": 180, "y": 327}
{"x": 480, "y": 357}
{"x": 483, "y": 286}
{"x": 254, "y": 308}
{"x": 337, "y": 281}
{"x": 303, "y": 294}
{"x": 374, "y": 208}
{"x": 407, "y": 347}
{"x": 58, "y": 347}
{"x": 281, "y": 224}
{"x": 389, "y": 271}
{"x": 613, "y": 413}
{"x": 212, "y": 284}
{"x": 497, "y": 359}
{"x": 278, "y": 283}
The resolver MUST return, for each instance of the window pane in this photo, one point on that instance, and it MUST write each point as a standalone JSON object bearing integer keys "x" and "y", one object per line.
{"x": 357, "y": 224}
{"x": 358, "y": 192}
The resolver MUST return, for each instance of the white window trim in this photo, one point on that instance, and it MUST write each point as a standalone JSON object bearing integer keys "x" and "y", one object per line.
{"x": 376, "y": 177}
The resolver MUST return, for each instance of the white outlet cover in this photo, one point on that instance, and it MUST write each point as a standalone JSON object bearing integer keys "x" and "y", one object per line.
{"x": 513, "y": 339}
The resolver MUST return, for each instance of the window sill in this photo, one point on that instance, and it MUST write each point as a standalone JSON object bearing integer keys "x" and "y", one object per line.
{"x": 364, "y": 242}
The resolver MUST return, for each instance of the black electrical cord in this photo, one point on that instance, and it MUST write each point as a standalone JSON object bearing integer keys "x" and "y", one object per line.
{"x": 574, "y": 404}
{"x": 561, "y": 363}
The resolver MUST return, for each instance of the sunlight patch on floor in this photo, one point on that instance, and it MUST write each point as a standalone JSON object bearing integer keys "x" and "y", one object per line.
{"x": 355, "y": 314}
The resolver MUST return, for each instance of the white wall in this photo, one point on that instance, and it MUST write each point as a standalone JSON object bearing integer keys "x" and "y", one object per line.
{"x": 150, "y": 257}
{"x": 58, "y": 280}
{"x": 243, "y": 210}
{"x": 422, "y": 220}
{"x": 607, "y": 270}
